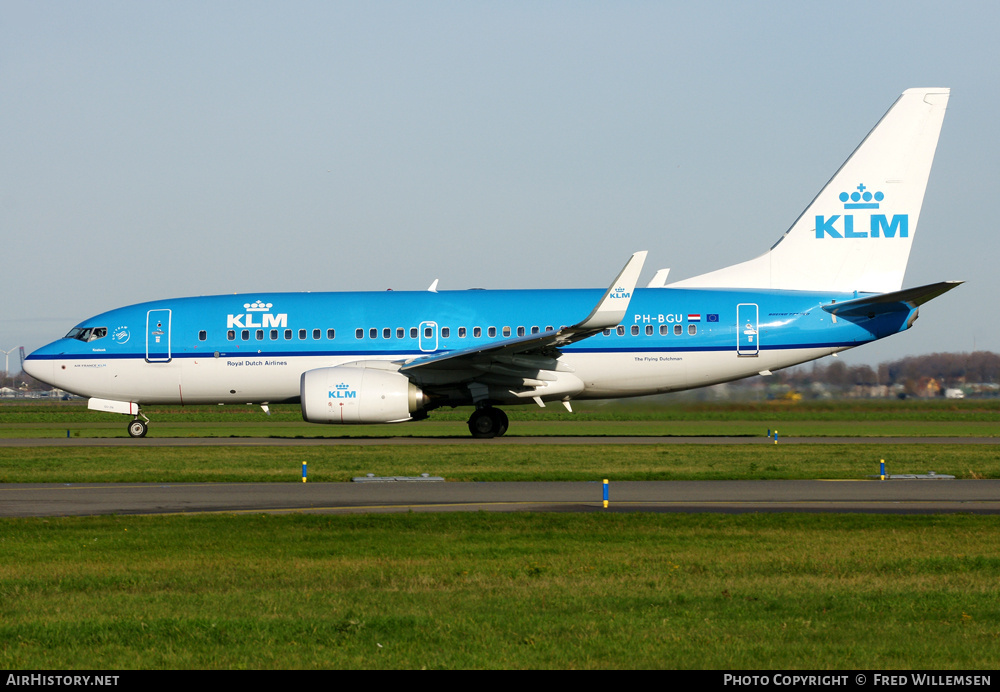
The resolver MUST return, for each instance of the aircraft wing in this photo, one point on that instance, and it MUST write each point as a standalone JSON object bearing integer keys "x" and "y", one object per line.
{"x": 527, "y": 360}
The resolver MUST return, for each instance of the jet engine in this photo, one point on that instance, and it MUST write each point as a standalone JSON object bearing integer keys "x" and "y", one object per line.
{"x": 358, "y": 394}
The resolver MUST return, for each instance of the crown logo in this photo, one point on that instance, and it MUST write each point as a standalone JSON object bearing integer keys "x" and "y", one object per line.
{"x": 342, "y": 386}
{"x": 861, "y": 199}
{"x": 257, "y": 306}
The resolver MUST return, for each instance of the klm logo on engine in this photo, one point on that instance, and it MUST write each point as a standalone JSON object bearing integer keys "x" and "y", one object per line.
{"x": 879, "y": 225}
{"x": 257, "y": 309}
{"x": 342, "y": 391}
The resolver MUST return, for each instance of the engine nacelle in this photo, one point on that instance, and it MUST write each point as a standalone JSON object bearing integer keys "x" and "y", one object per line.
{"x": 356, "y": 394}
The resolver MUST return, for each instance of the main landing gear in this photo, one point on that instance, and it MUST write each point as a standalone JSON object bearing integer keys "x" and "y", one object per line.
{"x": 488, "y": 422}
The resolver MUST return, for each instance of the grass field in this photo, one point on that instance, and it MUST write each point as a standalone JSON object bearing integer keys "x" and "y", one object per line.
{"x": 478, "y": 462}
{"x": 473, "y": 590}
{"x": 484, "y": 590}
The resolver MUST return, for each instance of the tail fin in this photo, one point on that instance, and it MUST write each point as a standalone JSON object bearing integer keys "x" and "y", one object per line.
{"x": 856, "y": 234}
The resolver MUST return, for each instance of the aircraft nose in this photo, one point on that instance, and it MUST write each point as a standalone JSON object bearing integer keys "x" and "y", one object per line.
{"x": 38, "y": 368}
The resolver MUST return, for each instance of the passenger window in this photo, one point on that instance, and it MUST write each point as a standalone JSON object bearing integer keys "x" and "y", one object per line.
{"x": 635, "y": 330}
{"x": 607, "y": 332}
{"x": 649, "y": 330}
{"x": 534, "y": 330}
{"x": 202, "y": 335}
{"x": 317, "y": 333}
{"x": 477, "y": 332}
{"x": 692, "y": 329}
{"x": 302, "y": 335}
{"x": 359, "y": 333}
{"x": 387, "y": 333}
{"x": 445, "y": 332}
{"x": 231, "y": 335}
{"x": 621, "y": 330}
{"x": 663, "y": 330}
{"x": 259, "y": 335}
{"x": 331, "y": 334}
{"x": 506, "y": 331}
{"x": 461, "y": 332}
{"x": 400, "y": 332}
{"x": 678, "y": 330}
{"x": 413, "y": 332}
{"x": 491, "y": 332}
{"x": 288, "y": 335}
{"x": 274, "y": 335}
{"x": 520, "y": 331}
{"x": 428, "y": 332}
{"x": 372, "y": 333}
{"x": 245, "y": 335}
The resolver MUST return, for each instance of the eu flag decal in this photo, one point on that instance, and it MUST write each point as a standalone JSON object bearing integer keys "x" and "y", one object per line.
{"x": 712, "y": 318}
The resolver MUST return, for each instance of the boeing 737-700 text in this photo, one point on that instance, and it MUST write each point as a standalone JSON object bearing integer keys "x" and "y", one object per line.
{"x": 832, "y": 282}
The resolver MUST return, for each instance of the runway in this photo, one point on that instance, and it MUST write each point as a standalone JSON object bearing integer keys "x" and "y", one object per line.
{"x": 897, "y": 497}
{"x": 466, "y": 440}
{"x": 868, "y": 496}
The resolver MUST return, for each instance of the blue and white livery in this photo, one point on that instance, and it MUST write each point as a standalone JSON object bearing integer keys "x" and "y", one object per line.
{"x": 832, "y": 282}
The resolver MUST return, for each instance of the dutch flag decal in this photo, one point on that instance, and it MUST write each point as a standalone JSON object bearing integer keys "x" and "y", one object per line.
{"x": 694, "y": 318}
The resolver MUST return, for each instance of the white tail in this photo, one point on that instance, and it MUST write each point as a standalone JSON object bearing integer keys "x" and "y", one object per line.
{"x": 856, "y": 234}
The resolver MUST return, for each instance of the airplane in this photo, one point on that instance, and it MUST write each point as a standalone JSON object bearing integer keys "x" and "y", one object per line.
{"x": 832, "y": 282}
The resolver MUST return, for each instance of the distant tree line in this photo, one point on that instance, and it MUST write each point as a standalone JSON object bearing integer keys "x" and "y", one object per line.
{"x": 913, "y": 374}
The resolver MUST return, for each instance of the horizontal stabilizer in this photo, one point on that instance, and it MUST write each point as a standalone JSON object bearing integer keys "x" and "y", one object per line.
{"x": 869, "y": 306}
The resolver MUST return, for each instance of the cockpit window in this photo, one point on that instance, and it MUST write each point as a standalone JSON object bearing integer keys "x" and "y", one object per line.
{"x": 87, "y": 334}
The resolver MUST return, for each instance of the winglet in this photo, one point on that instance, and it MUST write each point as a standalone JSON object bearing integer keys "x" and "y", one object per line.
{"x": 611, "y": 310}
{"x": 660, "y": 280}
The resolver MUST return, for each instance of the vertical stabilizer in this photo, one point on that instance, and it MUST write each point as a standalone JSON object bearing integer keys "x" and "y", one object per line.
{"x": 856, "y": 234}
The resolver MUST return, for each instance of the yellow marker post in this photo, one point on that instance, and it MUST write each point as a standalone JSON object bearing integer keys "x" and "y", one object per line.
{"x": 303, "y": 472}
{"x": 881, "y": 469}
{"x": 776, "y": 436}
{"x": 605, "y": 493}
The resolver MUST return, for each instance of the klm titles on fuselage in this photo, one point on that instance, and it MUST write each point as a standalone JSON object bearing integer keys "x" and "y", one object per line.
{"x": 879, "y": 225}
{"x": 246, "y": 320}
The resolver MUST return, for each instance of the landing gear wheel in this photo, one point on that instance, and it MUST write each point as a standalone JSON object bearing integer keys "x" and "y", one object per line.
{"x": 500, "y": 420}
{"x": 488, "y": 422}
{"x": 137, "y": 428}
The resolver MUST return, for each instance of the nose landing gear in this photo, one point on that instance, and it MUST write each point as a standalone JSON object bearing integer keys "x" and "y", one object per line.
{"x": 138, "y": 428}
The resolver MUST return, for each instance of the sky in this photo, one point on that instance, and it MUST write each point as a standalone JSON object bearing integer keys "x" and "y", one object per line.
{"x": 160, "y": 149}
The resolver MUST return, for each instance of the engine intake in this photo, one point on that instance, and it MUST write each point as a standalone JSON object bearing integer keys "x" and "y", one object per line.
{"x": 357, "y": 394}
